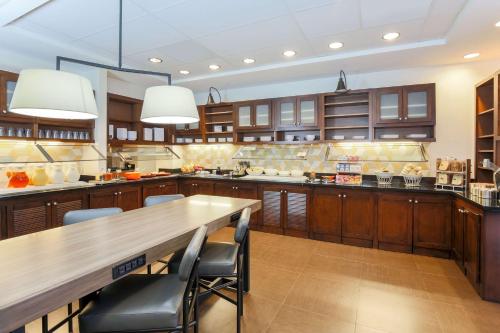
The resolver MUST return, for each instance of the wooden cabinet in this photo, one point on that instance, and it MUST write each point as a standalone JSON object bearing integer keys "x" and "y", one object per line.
{"x": 254, "y": 114}
{"x": 3, "y": 222}
{"x": 41, "y": 212}
{"x": 191, "y": 128}
{"x": 326, "y": 215}
{"x": 358, "y": 217}
{"x": 300, "y": 112}
{"x": 239, "y": 190}
{"x": 195, "y": 186}
{"x": 432, "y": 224}
{"x": 7, "y": 85}
{"x": 395, "y": 222}
{"x": 405, "y": 105}
{"x": 472, "y": 221}
{"x": 285, "y": 209}
{"x": 161, "y": 188}
{"x": 126, "y": 197}
{"x": 457, "y": 234}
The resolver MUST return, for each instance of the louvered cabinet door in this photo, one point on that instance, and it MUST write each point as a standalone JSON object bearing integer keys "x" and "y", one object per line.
{"x": 63, "y": 204}
{"x": 28, "y": 216}
{"x": 272, "y": 209}
{"x": 296, "y": 219}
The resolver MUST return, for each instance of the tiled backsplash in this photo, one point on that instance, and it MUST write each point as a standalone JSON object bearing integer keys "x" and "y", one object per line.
{"x": 213, "y": 156}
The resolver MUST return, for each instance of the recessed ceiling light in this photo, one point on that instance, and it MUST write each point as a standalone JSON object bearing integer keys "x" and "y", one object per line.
{"x": 391, "y": 35}
{"x": 289, "y": 53}
{"x": 497, "y": 24}
{"x": 471, "y": 55}
{"x": 214, "y": 67}
{"x": 155, "y": 60}
{"x": 336, "y": 45}
{"x": 248, "y": 60}
{"x": 184, "y": 72}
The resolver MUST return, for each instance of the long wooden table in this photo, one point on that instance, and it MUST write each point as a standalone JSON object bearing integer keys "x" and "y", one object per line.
{"x": 44, "y": 271}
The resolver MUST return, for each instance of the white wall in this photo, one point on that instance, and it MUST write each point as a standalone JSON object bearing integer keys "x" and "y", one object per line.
{"x": 454, "y": 98}
{"x": 124, "y": 88}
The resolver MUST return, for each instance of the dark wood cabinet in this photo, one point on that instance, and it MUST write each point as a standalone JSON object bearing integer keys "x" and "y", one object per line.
{"x": 65, "y": 202}
{"x": 7, "y": 85}
{"x": 395, "y": 222}
{"x": 405, "y": 105}
{"x": 285, "y": 209}
{"x": 126, "y": 197}
{"x": 254, "y": 114}
{"x": 298, "y": 112}
{"x": 239, "y": 190}
{"x": 358, "y": 218}
{"x": 326, "y": 215}
{"x": 195, "y": 186}
{"x": 457, "y": 234}
{"x": 103, "y": 198}
{"x": 3, "y": 222}
{"x": 472, "y": 247}
{"x": 432, "y": 224}
{"x": 161, "y": 188}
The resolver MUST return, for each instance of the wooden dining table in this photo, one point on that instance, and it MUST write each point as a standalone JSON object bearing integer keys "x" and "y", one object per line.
{"x": 44, "y": 271}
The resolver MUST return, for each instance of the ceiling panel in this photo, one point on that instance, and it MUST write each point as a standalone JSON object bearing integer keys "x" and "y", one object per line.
{"x": 198, "y": 18}
{"x": 301, "y": 4}
{"x": 187, "y": 51}
{"x": 331, "y": 19}
{"x": 382, "y": 12}
{"x": 78, "y": 19}
{"x": 441, "y": 17}
{"x": 155, "y": 5}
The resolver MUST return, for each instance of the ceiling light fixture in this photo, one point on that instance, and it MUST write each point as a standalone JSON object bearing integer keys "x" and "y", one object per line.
{"x": 57, "y": 94}
{"x": 214, "y": 67}
{"x": 248, "y": 60}
{"x": 471, "y": 55}
{"x": 184, "y": 72}
{"x": 391, "y": 36}
{"x": 289, "y": 53}
{"x": 336, "y": 45}
{"x": 155, "y": 60}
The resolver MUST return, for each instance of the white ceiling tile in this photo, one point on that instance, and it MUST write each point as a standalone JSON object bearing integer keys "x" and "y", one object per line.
{"x": 154, "y": 5}
{"x": 306, "y": 4}
{"x": 331, "y": 19}
{"x": 141, "y": 34}
{"x": 441, "y": 17}
{"x": 381, "y": 12}
{"x": 198, "y": 18}
{"x": 254, "y": 37}
{"x": 77, "y": 18}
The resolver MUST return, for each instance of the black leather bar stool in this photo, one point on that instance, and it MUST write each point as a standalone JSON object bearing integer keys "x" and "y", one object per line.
{"x": 221, "y": 265}
{"x": 156, "y": 200}
{"x": 150, "y": 303}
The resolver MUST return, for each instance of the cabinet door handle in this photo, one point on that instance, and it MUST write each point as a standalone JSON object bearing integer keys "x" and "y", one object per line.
{"x": 416, "y": 201}
{"x": 115, "y": 193}
{"x": 344, "y": 196}
{"x": 4, "y": 111}
{"x": 119, "y": 193}
{"x": 460, "y": 210}
{"x": 49, "y": 204}
{"x": 410, "y": 201}
{"x": 55, "y": 203}
{"x": 340, "y": 195}
{"x": 236, "y": 188}
{"x": 465, "y": 211}
{"x": 400, "y": 118}
{"x": 406, "y": 118}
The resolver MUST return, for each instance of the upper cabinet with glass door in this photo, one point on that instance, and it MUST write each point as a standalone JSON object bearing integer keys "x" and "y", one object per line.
{"x": 192, "y": 127}
{"x": 254, "y": 114}
{"x": 299, "y": 112}
{"x": 7, "y": 85}
{"x": 407, "y": 104}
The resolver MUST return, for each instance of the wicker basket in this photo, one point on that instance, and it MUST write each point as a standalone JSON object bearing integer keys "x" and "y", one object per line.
{"x": 384, "y": 178}
{"x": 411, "y": 180}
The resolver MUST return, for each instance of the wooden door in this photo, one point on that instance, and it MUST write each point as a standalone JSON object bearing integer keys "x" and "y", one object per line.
{"x": 204, "y": 187}
{"x": 66, "y": 202}
{"x": 28, "y": 216}
{"x": 245, "y": 116}
{"x": 395, "y": 221}
{"x": 472, "y": 247}
{"x": 104, "y": 198}
{"x": 419, "y": 103}
{"x": 296, "y": 209}
{"x": 8, "y": 82}
{"x": 326, "y": 215}
{"x": 3, "y": 222}
{"x": 432, "y": 223}
{"x": 388, "y": 105}
{"x": 186, "y": 187}
{"x": 163, "y": 188}
{"x": 307, "y": 111}
{"x": 225, "y": 189}
{"x": 272, "y": 207}
{"x": 286, "y": 112}
{"x": 248, "y": 191}
{"x": 129, "y": 198}
{"x": 457, "y": 234}
{"x": 262, "y": 114}
{"x": 358, "y": 217}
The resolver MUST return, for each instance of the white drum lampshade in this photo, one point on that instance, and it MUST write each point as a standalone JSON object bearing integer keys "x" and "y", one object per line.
{"x": 169, "y": 105}
{"x": 53, "y": 94}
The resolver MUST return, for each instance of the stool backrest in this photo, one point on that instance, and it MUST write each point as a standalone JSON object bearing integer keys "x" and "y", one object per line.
{"x": 158, "y": 199}
{"x": 192, "y": 253}
{"x": 242, "y": 226}
{"x": 77, "y": 216}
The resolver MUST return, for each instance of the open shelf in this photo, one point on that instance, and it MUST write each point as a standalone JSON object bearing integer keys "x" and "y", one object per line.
{"x": 351, "y": 115}
{"x": 486, "y": 112}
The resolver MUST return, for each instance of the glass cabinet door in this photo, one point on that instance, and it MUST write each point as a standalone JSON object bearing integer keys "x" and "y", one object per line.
{"x": 263, "y": 115}
{"x": 286, "y": 112}
{"x": 245, "y": 116}
{"x": 10, "y": 86}
{"x": 194, "y": 126}
{"x": 389, "y": 106}
{"x": 307, "y": 112}
{"x": 417, "y": 107}
{"x": 180, "y": 127}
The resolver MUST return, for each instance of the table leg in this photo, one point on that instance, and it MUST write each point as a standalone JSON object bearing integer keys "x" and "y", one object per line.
{"x": 246, "y": 264}
{"x": 19, "y": 330}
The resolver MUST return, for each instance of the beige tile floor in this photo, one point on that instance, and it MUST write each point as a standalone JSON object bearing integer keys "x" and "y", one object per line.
{"x": 300, "y": 285}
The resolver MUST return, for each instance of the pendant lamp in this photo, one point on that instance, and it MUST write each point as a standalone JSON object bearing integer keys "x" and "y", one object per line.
{"x": 169, "y": 105}
{"x": 210, "y": 99}
{"x": 342, "y": 85}
{"x": 53, "y": 94}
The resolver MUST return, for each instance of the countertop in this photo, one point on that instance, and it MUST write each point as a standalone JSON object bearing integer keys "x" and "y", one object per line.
{"x": 397, "y": 185}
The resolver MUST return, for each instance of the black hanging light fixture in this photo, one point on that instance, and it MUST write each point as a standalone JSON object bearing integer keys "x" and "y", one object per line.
{"x": 342, "y": 85}
{"x": 210, "y": 99}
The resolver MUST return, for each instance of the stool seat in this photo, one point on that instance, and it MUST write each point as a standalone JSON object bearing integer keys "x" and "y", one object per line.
{"x": 217, "y": 259}
{"x": 136, "y": 302}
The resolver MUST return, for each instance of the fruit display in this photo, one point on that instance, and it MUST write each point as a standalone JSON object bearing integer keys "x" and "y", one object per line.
{"x": 190, "y": 168}
{"x": 255, "y": 171}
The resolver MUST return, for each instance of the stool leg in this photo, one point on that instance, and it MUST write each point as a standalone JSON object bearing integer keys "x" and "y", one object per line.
{"x": 70, "y": 322}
